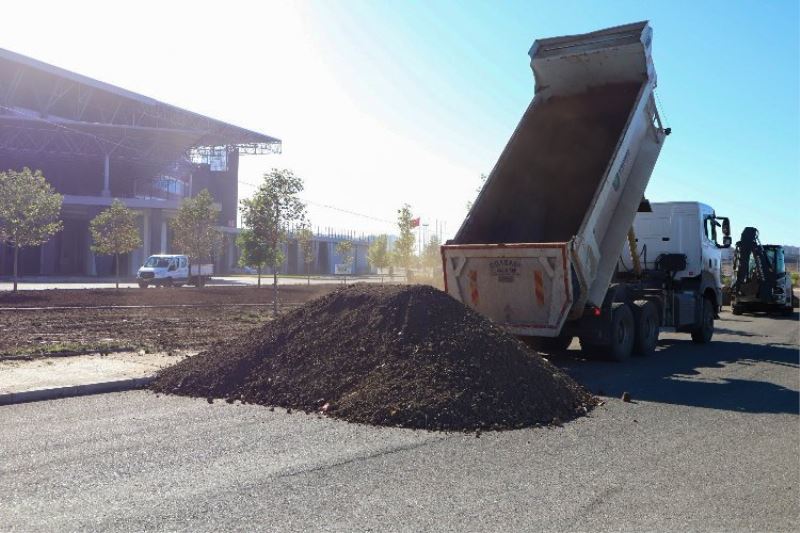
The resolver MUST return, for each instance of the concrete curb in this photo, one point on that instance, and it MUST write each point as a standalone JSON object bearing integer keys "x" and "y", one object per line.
{"x": 39, "y": 395}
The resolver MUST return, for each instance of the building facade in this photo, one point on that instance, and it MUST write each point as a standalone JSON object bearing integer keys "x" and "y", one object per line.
{"x": 95, "y": 142}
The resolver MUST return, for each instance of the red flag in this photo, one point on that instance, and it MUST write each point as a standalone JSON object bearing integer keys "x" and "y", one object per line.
{"x": 414, "y": 222}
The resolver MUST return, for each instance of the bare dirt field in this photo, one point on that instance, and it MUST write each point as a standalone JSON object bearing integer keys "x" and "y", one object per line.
{"x": 69, "y": 322}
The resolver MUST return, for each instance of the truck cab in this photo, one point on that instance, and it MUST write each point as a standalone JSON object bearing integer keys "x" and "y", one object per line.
{"x": 688, "y": 228}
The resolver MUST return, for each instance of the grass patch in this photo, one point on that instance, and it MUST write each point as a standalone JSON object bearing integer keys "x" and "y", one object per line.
{"x": 59, "y": 349}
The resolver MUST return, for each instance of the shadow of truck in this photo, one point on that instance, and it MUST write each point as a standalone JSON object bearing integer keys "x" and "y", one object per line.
{"x": 681, "y": 373}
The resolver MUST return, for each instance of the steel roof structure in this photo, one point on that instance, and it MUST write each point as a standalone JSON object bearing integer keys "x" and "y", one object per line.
{"x": 48, "y": 110}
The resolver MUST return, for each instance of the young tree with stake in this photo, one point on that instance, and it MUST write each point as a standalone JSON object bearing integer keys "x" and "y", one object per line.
{"x": 29, "y": 211}
{"x": 115, "y": 232}
{"x": 344, "y": 249}
{"x": 378, "y": 254}
{"x": 305, "y": 240}
{"x": 253, "y": 252}
{"x": 269, "y": 212}
{"x": 431, "y": 254}
{"x": 195, "y": 228}
{"x": 404, "y": 246}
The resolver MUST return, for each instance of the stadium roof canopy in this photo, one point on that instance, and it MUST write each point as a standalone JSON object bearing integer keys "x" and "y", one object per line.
{"x": 48, "y": 110}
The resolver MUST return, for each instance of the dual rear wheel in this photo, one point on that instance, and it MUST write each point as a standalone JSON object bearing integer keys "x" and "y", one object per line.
{"x": 634, "y": 331}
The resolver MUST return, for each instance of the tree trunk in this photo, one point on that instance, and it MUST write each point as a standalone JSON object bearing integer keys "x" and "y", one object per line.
{"x": 308, "y": 273}
{"x": 274, "y": 293}
{"x": 116, "y": 259}
{"x": 258, "y": 270}
{"x": 16, "y": 261}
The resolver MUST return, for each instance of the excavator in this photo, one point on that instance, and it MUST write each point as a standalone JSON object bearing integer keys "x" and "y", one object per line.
{"x": 761, "y": 282}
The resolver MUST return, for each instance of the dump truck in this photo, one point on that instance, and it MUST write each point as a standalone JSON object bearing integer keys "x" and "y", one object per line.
{"x": 542, "y": 251}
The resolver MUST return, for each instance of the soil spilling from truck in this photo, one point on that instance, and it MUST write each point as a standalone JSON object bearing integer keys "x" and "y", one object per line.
{"x": 407, "y": 356}
{"x": 544, "y": 181}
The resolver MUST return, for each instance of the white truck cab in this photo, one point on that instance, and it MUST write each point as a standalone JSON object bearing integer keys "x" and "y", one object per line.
{"x": 688, "y": 228}
{"x": 172, "y": 271}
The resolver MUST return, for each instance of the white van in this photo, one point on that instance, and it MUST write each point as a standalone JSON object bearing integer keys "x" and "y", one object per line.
{"x": 172, "y": 271}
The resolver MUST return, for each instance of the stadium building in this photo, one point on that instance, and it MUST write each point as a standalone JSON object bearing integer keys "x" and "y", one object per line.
{"x": 95, "y": 142}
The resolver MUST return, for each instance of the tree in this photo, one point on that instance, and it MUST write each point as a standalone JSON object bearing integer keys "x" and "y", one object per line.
{"x": 195, "y": 228}
{"x": 29, "y": 211}
{"x": 344, "y": 249}
{"x": 305, "y": 241}
{"x": 403, "y": 253}
{"x": 114, "y": 232}
{"x": 269, "y": 212}
{"x": 470, "y": 203}
{"x": 253, "y": 253}
{"x": 378, "y": 254}
{"x": 431, "y": 253}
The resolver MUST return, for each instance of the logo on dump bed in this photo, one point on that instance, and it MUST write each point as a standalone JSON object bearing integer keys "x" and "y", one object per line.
{"x": 505, "y": 270}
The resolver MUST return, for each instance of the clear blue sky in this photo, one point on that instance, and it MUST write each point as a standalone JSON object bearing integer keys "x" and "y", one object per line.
{"x": 384, "y": 102}
{"x": 455, "y": 75}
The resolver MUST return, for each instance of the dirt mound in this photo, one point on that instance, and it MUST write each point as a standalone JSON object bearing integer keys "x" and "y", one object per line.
{"x": 390, "y": 355}
{"x": 183, "y": 296}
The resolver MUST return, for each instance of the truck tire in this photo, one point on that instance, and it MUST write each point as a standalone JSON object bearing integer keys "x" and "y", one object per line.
{"x": 705, "y": 330}
{"x": 168, "y": 283}
{"x": 622, "y": 334}
{"x": 736, "y": 309}
{"x": 142, "y": 284}
{"x": 646, "y": 319}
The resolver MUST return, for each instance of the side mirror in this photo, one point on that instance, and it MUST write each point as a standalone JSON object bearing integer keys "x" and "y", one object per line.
{"x": 726, "y": 227}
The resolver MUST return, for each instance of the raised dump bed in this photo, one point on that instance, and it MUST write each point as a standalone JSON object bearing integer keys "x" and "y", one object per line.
{"x": 543, "y": 238}
{"x": 544, "y": 183}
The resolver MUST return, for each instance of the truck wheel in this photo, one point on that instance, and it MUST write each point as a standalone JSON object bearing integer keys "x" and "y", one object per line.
{"x": 647, "y": 322}
{"x": 736, "y": 309}
{"x": 168, "y": 283}
{"x": 622, "y": 333}
{"x": 703, "y": 333}
{"x": 142, "y": 284}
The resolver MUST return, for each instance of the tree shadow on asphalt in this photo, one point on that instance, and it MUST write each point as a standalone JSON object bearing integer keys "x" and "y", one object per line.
{"x": 678, "y": 373}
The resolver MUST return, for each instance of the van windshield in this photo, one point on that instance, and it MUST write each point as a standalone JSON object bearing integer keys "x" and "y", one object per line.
{"x": 157, "y": 262}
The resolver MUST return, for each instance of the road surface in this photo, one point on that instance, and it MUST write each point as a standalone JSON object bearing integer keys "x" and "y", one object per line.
{"x": 709, "y": 443}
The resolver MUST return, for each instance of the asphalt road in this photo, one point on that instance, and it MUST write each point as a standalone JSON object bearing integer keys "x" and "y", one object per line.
{"x": 709, "y": 443}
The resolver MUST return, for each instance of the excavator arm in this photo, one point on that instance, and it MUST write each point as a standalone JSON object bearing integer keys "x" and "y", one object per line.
{"x": 759, "y": 279}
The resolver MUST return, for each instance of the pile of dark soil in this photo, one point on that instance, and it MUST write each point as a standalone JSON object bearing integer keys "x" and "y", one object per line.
{"x": 408, "y": 356}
